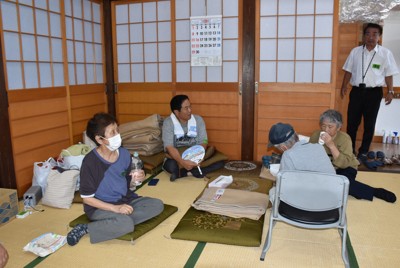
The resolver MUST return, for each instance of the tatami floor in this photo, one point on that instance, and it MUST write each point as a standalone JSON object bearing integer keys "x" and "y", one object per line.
{"x": 373, "y": 230}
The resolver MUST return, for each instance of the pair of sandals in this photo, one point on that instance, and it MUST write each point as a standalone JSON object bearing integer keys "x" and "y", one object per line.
{"x": 373, "y": 160}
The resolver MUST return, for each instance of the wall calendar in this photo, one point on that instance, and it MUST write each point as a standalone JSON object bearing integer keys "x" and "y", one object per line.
{"x": 206, "y": 41}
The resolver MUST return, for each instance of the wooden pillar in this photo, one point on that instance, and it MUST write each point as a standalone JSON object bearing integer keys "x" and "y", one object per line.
{"x": 109, "y": 56}
{"x": 248, "y": 93}
{"x": 7, "y": 172}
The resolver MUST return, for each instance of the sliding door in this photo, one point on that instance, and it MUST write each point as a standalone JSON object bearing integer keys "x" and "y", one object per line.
{"x": 53, "y": 66}
{"x": 295, "y": 65}
{"x": 155, "y": 44}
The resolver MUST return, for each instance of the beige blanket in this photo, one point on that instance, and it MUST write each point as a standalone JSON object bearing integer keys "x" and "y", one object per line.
{"x": 143, "y": 136}
{"x": 233, "y": 203}
{"x": 153, "y": 121}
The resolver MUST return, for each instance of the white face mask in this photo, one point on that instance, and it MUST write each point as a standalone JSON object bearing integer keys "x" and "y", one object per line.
{"x": 114, "y": 142}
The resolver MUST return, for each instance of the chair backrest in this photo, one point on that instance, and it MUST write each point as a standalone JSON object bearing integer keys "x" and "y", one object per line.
{"x": 312, "y": 191}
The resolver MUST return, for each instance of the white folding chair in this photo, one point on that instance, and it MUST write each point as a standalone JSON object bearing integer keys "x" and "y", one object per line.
{"x": 311, "y": 200}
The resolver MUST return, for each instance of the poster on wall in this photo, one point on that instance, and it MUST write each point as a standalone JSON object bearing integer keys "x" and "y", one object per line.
{"x": 206, "y": 41}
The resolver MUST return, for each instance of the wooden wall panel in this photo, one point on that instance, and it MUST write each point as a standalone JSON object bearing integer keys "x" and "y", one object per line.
{"x": 294, "y": 98}
{"x": 216, "y": 123}
{"x": 39, "y": 130}
{"x": 86, "y": 100}
{"x": 29, "y": 125}
{"x": 349, "y": 37}
{"x": 26, "y": 109}
{"x": 40, "y": 139}
{"x": 144, "y": 109}
{"x": 133, "y": 105}
{"x": 300, "y": 109}
{"x": 42, "y": 126}
{"x": 220, "y": 110}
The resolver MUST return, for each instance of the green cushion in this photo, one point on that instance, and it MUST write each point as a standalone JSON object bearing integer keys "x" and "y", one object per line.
{"x": 141, "y": 228}
{"x": 203, "y": 226}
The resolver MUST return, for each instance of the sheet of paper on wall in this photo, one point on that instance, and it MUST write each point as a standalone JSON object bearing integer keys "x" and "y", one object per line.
{"x": 221, "y": 182}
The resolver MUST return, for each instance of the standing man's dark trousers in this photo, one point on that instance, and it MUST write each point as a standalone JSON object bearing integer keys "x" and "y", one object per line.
{"x": 364, "y": 102}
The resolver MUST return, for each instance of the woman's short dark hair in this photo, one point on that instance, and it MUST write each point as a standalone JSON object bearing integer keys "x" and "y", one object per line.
{"x": 97, "y": 125}
{"x": 332, "y": 116}
{"x": 176, "y": 102}
{"x": 373, "y": 25}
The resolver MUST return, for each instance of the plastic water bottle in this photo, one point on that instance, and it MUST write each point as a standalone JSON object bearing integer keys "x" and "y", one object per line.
{"x": 395, "y": 138}
{"x": 137, "y": 163}
{"x": 384, "y": 137}
{"x": 389, "y": 137}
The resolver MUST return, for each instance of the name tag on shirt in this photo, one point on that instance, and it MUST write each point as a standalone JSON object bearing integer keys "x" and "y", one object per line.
{"x": 376, "y": 66}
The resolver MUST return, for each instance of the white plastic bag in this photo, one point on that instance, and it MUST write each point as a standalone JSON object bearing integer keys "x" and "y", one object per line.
{"x": 72, "y": 157}
{"x": 72, "y": 161}
{"x": 46, "y": 244}
{"x": 41, "y": 171}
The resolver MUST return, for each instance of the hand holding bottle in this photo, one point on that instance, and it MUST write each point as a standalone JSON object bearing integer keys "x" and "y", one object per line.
{"x": 138, "y": 177}
{"x": 137, "y": 172}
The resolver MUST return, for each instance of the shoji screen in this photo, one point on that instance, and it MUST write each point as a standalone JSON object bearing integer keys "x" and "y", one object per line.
{"x": 32, "y": 44}
{"x": 84, "y": 42}
{"x": 143, "y": 37}
{"x": 229, "y": 70}
{"x": 148, "y": 44}
{"x": 296, "y": 41}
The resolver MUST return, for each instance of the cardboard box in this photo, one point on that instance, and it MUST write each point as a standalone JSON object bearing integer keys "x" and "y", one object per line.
{"x": 8, "y": 205}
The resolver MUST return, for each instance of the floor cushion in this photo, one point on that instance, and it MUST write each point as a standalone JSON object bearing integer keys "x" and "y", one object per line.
{"x": 141, "y": 228}
{"x": 153, "y": 163}
{"x": 203, "y": 226}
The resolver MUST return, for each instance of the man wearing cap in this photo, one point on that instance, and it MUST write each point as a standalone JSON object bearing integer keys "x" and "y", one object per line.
{"x": 305, "y": 156}
{"x": 298, "y": 155}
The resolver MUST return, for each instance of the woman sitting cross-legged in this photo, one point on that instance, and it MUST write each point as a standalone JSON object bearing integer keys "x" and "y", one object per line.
{"x": 105, "y": 187}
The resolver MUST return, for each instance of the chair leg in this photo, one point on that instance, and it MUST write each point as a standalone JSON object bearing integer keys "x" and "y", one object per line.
{"x": 267, "y": 242}
{"x": 345, "y": 255}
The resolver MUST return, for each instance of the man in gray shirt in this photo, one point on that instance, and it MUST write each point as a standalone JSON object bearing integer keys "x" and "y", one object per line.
{"x": 299, "y": 155}
{"x": 181, "y": 130}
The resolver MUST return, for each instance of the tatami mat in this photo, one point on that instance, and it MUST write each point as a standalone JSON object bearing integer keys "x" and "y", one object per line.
{"x": 373, "y": 231}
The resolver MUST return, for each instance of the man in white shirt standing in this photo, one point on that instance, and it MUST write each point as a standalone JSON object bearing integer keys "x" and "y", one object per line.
{"x": 368, "y": 68}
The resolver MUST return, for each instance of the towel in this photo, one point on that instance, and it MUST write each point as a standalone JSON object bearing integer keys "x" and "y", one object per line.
{"x": 178, "y": 130}
{"x": 233, "y": 203}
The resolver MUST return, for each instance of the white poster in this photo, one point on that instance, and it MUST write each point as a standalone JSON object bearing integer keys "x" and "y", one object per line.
{"x": 206, "y": 41}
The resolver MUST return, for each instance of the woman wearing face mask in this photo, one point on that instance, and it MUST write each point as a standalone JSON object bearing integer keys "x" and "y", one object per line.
{"x": 105, "y": 182}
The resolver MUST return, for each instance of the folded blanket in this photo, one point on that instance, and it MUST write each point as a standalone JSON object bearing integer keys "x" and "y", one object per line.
{"x": 146, "y": 149}
{"x": 143, "y": 136}
{"x": 152, "y": 133}
{"x": 233, "y": 203}
{"x": 152, "y": 121}
{"x": 178, "y": 130}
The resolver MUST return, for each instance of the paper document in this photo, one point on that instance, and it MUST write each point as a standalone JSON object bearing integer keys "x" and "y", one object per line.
{"x": 221, "y": 182}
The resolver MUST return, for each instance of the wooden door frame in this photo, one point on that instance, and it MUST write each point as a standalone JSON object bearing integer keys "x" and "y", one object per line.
{"x": 109, "y": 61}
{"x": 248, "y": 79}
{"x": 7, "y": 172}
